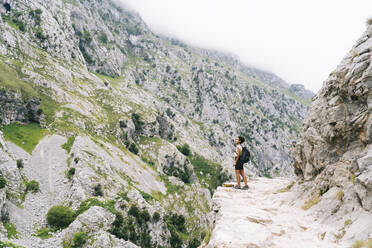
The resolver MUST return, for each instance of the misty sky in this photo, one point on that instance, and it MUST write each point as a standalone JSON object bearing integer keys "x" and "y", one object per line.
{"x": 300, "y": 41}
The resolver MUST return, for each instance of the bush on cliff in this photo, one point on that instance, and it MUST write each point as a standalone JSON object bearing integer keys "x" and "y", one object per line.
{"x": 60, "y": 216}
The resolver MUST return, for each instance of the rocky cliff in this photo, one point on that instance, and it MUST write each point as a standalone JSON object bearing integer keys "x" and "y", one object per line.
{"x": 334, "y": 156}
{"x": 100, "y": 114}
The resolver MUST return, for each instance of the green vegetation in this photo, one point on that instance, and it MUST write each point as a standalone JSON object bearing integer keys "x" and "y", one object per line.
{"x": 156, "y": 217}
{"x": 311, "y": 202}
{"x": 49, "y": 107}
{"x": 44, "y": 233}
{"x": 287, "y": 188}
{"x": 79, "y": 239}
{"x": 20, "y": 164}
{"x": 68, "y": 145}
{"x": 60, "y": 217}
{"x": 36, "y": 15}
{"x": 70, "y": 173}
{"x": 32, "y": 186}
{"x": 103, "y": 38}
{"x": 369, "y": 21}
{"x": 24, "y": 136}
{"x": 14, "y": 22}
{"x": 97, "y": 190}
{"x": 363, "y": 244}
{"x": 209, "y": 172}
{"x": 134, "y": 228}
{"x": 289, "y": 93}
{"x": 9, "y": 81}
{"x": 2, "y": 182}
{"x": 11, "y": 230}
{"x": 184, "y": 149}
{"x": 340, "y": 195}
{"x": 136, "y": 118}
{"x": 9, "y": 244}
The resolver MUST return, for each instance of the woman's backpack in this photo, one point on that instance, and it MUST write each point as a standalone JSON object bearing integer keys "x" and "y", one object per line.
{"x": 245, "y": 156}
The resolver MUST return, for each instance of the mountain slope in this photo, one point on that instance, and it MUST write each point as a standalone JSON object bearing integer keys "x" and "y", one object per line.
{"x": 145, "y": 122}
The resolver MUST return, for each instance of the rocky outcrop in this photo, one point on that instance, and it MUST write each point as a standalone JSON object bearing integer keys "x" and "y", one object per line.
{"x": 15, "y": 109}
{"x": 299, "y": 90}
{"x": 333, "y": 156}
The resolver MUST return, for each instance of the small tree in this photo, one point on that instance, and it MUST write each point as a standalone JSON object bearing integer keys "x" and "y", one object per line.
{"x": 60, "y": 216}
{"x": 2, "y": 182}
{"x": 185, "y": 149}
{"x": 98, "y": 190}
{"x": 19, "y": 163}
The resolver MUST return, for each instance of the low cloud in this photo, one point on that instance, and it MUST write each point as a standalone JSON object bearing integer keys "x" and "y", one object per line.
{"x": 302, "y": 42}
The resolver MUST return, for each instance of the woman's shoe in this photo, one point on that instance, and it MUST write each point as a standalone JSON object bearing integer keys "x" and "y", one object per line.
{"x": 245, "y": 187}
{"x": 236, "y": 187}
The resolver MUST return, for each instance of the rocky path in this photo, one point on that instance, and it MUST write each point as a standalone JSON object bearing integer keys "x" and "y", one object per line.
{"x": 261, "y": 217}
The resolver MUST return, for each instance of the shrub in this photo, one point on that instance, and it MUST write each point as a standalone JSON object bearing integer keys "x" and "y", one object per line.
{"x": 369, "y": 21}
{"x": 79, "y": 239}
{"x": 122, "y": 124}
{"x": 70, "y": 173}
{"x": 2, "y": 182}
{"x": 137, "y": 121}
{"x": 133, "y": 148}
{"x": 144, "y": 215}
{"x": 178, "y": 221}
{"x": 134, "y": 211}
{"x": 185, "y": 149}
{"x": 194, "y": 243}
{"x": 19, "y": 163}
{"x": 39, "y": 33}
{"x": 97, "y": 190}
{"x": 32, "y": 186}
{"x": 60, "y": 216}
{"x": 68, "y": 145}
{"x": 103, "y": 38}
{"x": 340, "y": 195}
{"x": 156, "y": 217}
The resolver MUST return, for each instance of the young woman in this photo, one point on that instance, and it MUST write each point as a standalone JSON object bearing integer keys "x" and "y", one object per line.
{"x": 239, "y": 169}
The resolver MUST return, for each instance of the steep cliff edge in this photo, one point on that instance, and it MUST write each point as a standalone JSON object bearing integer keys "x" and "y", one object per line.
{"x": 334, "y": 155}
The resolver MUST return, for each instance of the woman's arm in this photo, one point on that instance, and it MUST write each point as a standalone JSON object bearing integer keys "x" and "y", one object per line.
{"x": 238, "y": 152}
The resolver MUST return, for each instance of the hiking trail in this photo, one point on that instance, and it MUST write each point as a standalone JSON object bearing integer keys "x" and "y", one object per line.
{"x": 264, "y": 217}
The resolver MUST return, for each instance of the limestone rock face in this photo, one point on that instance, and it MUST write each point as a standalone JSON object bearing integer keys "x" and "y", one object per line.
{"x": 334, "y": 153}
{"x": 13, "y": 108}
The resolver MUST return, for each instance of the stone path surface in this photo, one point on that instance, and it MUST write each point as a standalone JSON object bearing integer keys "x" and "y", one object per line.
{"x": 261, "y": 217}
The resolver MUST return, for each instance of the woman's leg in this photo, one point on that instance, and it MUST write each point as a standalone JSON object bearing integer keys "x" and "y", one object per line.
{"x": 237, "y": 174}
{"x": 244, "y": 177}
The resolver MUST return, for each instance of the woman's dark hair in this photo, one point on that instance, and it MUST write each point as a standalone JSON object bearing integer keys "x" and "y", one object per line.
{"x": 241, "y": 139}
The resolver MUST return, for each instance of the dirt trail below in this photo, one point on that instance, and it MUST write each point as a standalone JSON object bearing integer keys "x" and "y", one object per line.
{"x": 262, "y": 217}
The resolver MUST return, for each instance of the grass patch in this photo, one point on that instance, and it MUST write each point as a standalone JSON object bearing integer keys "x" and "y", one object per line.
{"x": 363, "y": 244}
{"x": 209, "y": 172}
{"x": 286, "y": 189}
{"x": 9, "y": 244}
{"x": 340, "y": 195}
{"x": 11, "y": 230}
{"x": 311, "y": 202}
{"x": 44, "y": 233}
{"x": 289, "y": 93}
{"x": 24, "y": 136}
{"x": 9, "y": 81}
{"x": 68, "y": 145}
